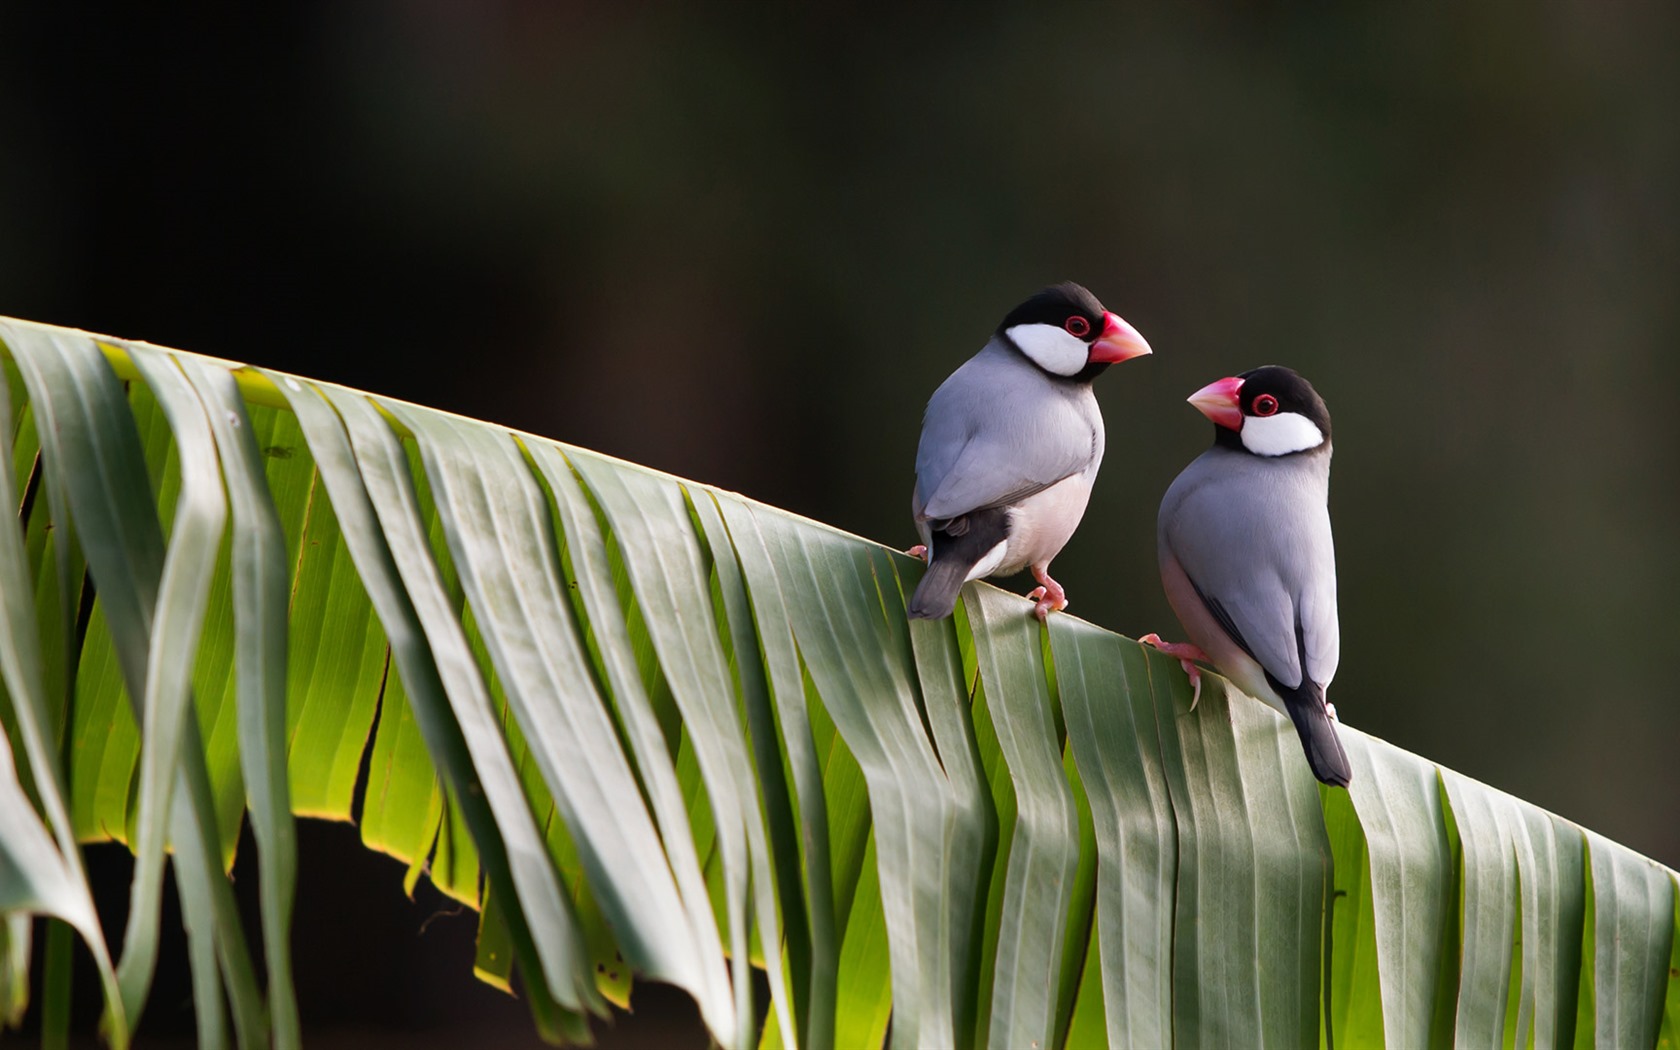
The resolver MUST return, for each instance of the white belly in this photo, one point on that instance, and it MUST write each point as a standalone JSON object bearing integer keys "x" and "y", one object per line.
{"x": 1041, "y": 525}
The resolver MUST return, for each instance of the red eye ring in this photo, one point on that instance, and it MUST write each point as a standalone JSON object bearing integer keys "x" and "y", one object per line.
{"x": 1077, "y": 326}
{"x": 1265, "y": 405}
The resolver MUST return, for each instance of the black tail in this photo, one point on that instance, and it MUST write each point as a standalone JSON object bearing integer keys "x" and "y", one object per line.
{"x": 955, "y": 547}
{"x": 1318, "y": 735}
{"x": 936, "y": 595}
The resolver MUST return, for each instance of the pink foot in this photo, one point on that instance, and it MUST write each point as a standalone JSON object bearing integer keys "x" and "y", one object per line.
{"x": 1185, "y": 653}
{"x": 1048, "y": 596}
{"x": 918, "y": 551}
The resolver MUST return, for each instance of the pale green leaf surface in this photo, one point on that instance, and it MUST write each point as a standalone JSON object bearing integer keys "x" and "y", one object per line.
{"x": 336, "y": 665}
{"x": 502, "y": 543}
{"x": 105, "y": 740}
{"x": 168, "y": 733}
{"x": 1113, "y": 740}
{"x": 59, "y": 570}
{"x": 867, "y": 689}
{"x": 786, "y": 684}
{"x": 783, "y": 912}
{"x": 1548, "y": 885}
{"x": 89, "y": 438}
{"x": 33, "y": 874}
{"x": 1253, "y": 879}
{"x": 49, "y": 872}
{"x": 1292, "y": 883}
{"x": 1216, "y": 1000}
{"x": 1351, "y": 985}
{"x": 589, "y": 560}
{"x": 54, "y": 623}
{"x": 794, "y": 640}
{"x": 212, "y": 661}
{"x": 665, "y": 563}
{"x": 932, "y": 652}
{"x": 1633, "y": 901}
{"x": 402, "y": 805}
{"x": 546, "y": 939}
{"x": 1668, "y": 1037}
{"x": 1079, "y": 921}
{"x": 260, "y": 575}
{"x": 1490, "y": 913}
{"x": 848, "y": 813}
{"x": 971, "y": 835}
{"x": 182, "y": 597}
{"x": 1413, "y": 885}
{"x": 1000, "y": 785}
{"x": 1569, "y": 856}
{"x": 197, "y": 917}
{"x": 1044, "y": 852}
{"x": 454, "y": 864}
{"x": 493, "y": 955}
{"x": 1088, "y": 1027}
{"x": 865, "y": 999}
{"x": 215, "y": 701}
{"x": 438, "y": 668}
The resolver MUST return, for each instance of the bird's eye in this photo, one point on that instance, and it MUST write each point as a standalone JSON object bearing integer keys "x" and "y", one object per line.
{"x": 1077, "y": 326}
{"x": 1265, "y": 405}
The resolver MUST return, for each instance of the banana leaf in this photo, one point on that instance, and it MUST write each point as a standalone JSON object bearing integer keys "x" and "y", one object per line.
{"x": 651, "y": 729}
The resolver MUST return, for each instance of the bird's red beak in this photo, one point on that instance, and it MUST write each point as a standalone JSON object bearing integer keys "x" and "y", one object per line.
{"x": 1218, "y": 401}
{"x": 1119, "y": 342}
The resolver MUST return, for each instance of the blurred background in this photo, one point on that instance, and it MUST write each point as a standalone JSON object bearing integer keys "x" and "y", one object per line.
{"x": 745, "y": 245}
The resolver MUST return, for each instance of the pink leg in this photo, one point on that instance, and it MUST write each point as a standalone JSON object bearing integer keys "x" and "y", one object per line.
{"x": 1049, "y": 595}
{"x": 1185, "y": 653}
{"x": 918, "y": 551}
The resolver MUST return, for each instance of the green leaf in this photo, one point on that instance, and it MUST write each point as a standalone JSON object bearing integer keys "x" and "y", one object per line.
{"x": 422, "y": 627}
{"x": 785, "y": 682}
{"x": 260, "y": 575}
{"x": 1120, "y": 761}
{"x": 1354, "y": 1016}
{"x": 168, "y": 728}
{"x": 618, "y": 652}
{"x": 50, "y": 874}
{"x": 1413, "y": 887}
{"x": 502, "y": 541}
{"x": 1669, "y": 1037}
{"x": 1632, "y": 902}
{"x": 664, "y": 561}
{"x": 858, "y": 660}
{"x": 1253, "y": 873}
{"x": 638, "y": 722}
{"x": 1044, "y": 848}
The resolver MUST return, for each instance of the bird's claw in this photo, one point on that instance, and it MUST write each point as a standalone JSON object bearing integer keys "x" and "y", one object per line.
{"x": 1048, "y": 596}
{"x": 1186, "y": 654}
{"x": 918, "y": 551}
{"x": 1044, "y": 604}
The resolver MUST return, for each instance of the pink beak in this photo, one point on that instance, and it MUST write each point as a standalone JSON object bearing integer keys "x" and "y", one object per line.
{"x": 1218, "y": 401}
{"x": 1119, "y": 342}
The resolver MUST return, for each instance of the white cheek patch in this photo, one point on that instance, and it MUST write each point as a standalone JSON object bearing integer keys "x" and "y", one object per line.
{"x": 1280, "y": 435}
{"x": 1051, "y": 347}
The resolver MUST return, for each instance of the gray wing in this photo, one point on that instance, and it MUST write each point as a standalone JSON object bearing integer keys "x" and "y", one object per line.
{"x": 995, "y": 433}
{"x": 1254, "y": 538}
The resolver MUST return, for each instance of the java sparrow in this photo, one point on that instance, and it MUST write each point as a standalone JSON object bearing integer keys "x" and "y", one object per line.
{"x": 1246, "y": 554}
{"x": 1010, "y": 445}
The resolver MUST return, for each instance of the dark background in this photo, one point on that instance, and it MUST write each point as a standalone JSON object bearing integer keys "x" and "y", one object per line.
{"x": 744, "y": 245}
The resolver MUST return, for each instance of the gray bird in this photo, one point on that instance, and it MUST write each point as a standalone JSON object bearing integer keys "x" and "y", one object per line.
{"x": 1247, "y": 558}
{"x": 1011, "y": 443}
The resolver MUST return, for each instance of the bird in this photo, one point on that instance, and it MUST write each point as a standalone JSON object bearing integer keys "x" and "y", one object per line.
{"x": 1247, "y": 558}
{"x": 1010, "y": 446}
